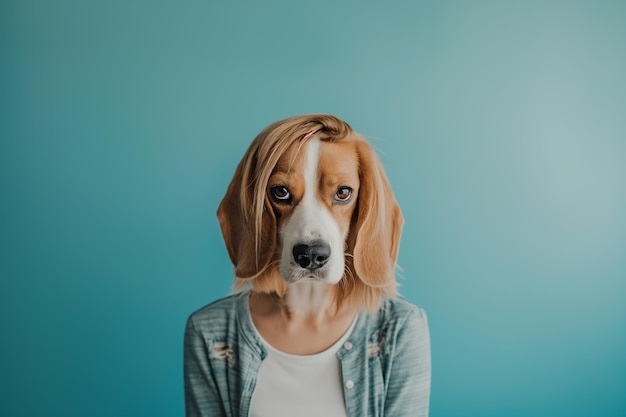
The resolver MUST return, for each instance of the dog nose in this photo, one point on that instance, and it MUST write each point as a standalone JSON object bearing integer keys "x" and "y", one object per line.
{"x": 312, "y": 256}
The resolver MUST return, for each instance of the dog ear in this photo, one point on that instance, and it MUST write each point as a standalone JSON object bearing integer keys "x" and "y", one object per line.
{"x": 378, "y": 225}
{"x": 250, "y": 238}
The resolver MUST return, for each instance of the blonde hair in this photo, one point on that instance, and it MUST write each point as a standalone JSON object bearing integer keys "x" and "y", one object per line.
{"x": 270, "y": 145}
{"x": 249, "y": 225}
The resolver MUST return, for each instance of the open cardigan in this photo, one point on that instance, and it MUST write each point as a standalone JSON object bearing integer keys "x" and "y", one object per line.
{"x": 385, "y": 361}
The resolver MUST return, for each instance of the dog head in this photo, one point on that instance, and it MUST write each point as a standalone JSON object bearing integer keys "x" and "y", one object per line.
{"x": 310, "y": 202}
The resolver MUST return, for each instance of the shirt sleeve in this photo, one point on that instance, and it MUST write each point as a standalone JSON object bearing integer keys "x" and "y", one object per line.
{"x": 202, "y": 397}
{"x": 408, "y": 390}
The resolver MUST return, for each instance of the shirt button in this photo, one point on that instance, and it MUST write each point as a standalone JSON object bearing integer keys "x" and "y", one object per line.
{"x": 349, "y": 384}
{"x": 347, "y": 345}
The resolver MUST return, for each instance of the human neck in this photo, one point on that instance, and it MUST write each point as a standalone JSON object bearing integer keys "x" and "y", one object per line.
{"x": 297, "y": 330}
{"x": 309, "y": 301}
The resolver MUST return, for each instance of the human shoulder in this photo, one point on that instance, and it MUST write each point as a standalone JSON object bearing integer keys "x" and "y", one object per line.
{"x": 399, "y": 311}
{"x": 218, "y": 316}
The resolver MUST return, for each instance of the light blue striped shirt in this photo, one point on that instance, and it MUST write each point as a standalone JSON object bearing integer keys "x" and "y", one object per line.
{"x": 385, "y": 365}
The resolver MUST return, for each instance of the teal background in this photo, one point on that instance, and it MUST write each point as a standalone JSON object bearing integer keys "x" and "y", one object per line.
{"x": 502, "y": 127}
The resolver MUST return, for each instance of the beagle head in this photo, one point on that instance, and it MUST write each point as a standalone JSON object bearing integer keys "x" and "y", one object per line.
{"x": 310, "y": 204}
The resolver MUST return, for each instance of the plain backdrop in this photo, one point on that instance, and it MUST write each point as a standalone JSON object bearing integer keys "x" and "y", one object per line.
{"x": 502, "y": 127}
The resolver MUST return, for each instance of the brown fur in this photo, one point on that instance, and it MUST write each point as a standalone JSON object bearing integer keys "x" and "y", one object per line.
{"x": 250, "y": 222}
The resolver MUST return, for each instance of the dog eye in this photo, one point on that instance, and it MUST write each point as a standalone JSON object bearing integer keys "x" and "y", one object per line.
{"x": 343, "y": 194}
{"x": 280, "y": 194}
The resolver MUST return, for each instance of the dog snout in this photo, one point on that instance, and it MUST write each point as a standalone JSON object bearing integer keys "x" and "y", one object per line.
{"x": 311, "y": 256}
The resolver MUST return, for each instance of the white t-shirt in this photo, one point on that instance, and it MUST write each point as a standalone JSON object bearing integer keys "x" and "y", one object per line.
{"x": 300, "y": 385}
